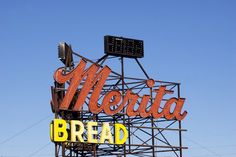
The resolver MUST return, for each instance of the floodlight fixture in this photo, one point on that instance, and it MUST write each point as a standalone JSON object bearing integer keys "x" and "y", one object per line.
{"x": 65, "y": 54}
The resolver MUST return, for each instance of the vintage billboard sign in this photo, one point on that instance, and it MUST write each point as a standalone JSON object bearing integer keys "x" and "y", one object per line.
{"x": 96, "y": 107}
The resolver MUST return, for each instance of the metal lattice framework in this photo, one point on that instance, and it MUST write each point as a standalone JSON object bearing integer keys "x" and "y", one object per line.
{"x": 147, "y": 136}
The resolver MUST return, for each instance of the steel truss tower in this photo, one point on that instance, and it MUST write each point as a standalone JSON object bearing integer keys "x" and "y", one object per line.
{"x": 147, "y": 136}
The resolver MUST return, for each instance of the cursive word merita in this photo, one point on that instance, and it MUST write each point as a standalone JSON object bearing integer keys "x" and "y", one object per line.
{"x": 94, "y": 79}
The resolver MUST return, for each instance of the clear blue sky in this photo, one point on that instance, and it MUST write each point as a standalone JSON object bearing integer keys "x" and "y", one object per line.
{"x": 187, "y": 41}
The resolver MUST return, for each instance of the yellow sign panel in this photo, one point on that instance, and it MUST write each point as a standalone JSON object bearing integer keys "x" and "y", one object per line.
{"x": 60, "y": 133}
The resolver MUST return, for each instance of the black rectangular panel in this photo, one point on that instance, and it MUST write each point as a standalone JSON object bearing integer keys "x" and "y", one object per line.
{"x": 125, "y": 47}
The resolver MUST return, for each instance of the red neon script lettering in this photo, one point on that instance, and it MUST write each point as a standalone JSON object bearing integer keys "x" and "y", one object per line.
{"x": 95, "y": 78}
